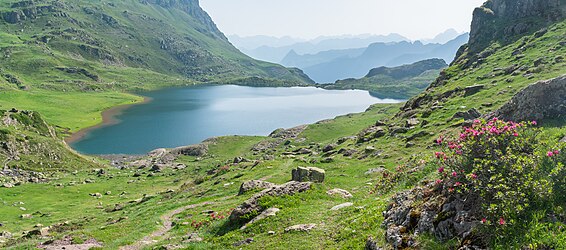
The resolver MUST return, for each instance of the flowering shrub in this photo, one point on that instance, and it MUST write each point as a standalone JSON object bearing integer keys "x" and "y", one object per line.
{"x": 214, "y": 216}
{"x": 495, "y": 162}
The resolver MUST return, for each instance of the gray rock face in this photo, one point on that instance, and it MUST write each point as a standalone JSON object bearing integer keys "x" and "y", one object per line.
{"x": 468, "y": 115}
{"x": 267, "y": 213}
{"x": 507, "y": 19}
{"x": 254, "y": 185}
{"x": 308, "y": 174}
{"x": 421, "y": 211}
{"x": 341, "y": 206}
{"x": 252, "y": 206}
{"x": 542, "y": 100}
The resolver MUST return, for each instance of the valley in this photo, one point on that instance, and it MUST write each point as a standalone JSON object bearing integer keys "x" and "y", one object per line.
{"x": 443, "y": 170}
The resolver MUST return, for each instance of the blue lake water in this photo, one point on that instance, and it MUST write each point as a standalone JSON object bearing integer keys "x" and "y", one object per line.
{"x": 188, "y": 115}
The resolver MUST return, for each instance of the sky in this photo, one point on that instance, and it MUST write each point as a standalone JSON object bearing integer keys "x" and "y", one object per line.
{"x": 308, "y": 19}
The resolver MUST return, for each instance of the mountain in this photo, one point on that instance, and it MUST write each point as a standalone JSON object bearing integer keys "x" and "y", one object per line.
{"x": 293, "y": 59}
{"x": 91, "y": 45}
{"x": 377, "y": 54}
{"x": 277, "y": 53}
{"x": 254, "y": 42}
{"x": 400, "y": 82}
{"x": 443, "y": 37}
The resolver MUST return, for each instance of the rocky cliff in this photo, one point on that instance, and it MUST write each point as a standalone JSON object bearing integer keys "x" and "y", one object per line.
{"x": 506, "y": 20}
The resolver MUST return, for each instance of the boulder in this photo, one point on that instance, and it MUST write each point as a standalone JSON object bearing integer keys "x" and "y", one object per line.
{"x": 300, "y": 228}
{"x": 302, "y": 174}
{"x": 340, "y": 192}
{"x": 329, "y": 148}
{"x": 542, "y": 100}
{"x": 267, "y": 213}
{"x": 251, "y": 206}
{"x": 254, "y": 185}
{"x": 371, "y": 245}
{"x": 341, "y": 206}
{"x": 412, "y": 122}
{"x": 468, "y": 115}
{"x": 197, "y": 150}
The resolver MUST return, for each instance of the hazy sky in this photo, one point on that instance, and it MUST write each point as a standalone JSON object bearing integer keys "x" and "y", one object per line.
{"x": 414, "y": 19}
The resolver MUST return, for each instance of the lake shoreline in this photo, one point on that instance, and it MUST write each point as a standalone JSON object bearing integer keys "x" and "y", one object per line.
{"x": 108, "y": 118}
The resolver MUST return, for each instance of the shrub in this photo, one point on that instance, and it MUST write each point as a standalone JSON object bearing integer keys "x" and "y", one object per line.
{"x": 496, "y": 163}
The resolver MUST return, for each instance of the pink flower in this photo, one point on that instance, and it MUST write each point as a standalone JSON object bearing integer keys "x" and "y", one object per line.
{"x": 515, "y": 134}
{"x": 556, "y": 152}
{"x": 454, "y": 174}
{"x": 457, "y": 184}
{"x": 438, "y": 182}
{"x": 534, "y": 123}
{"x": 441, "y": 169}
{"x": 483, "y": 221}
{"x": 550, "y": 154}
{"x": 474, "y": 176}
{"x": 501, "y": 221}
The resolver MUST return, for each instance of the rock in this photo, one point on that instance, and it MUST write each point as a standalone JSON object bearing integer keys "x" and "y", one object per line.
{"x": 371, "y": 133}
{"x": 8, "y": 185}
{"x": 251, "y": 206}
{"x": 329, "y": 148}
{"x": 240, "y": 159}
{"x": 180, "y": 167}
{"x": 341, "y": 192}
{"x": 302, "y": 174}
{"x": 471, "y": 90}
{"x": 341, "y": 206}
{"x": 300, "y": 228}
{"x": 253, "y": 185}
{"x": 347, "y": 152}
{"x": 157, "y": 168}
{"x": 267, "y": 213}
{"x": 97, "y": 195}
{"x": 198, "y": 150}
{"x": 398, "y": 130}
{"x": 26, "y": 216}
{"x": 271, "y": 232}
{"x": 412, "y": 122}
{"x": 542, "y": 100}
{"x": 327, "y": 160}
{"x": 563, "y": 139}
{"x": 243, "y": 242}
{"x": 468, "y": 115}
{"x": 192, "y": 237}
{"x": 371, "y": 245}
{"x": 108, "y": 192}
{"x": 378, "y": 170}
{"x": 345, "y": 139}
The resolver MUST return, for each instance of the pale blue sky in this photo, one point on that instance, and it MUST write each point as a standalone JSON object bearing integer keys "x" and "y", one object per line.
{"x": 414, "y": 19}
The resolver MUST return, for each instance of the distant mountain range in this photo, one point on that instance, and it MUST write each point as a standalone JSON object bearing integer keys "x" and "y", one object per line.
{"x": 400, "y": 82}
{"x": 330, "y": 66}
{"x": 275, "y": 49}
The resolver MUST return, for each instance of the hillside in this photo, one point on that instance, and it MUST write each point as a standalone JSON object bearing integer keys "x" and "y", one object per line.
{"x": 378, "y": 179}
{"x": 400, "y": 82}
{"x": 352, "y": 64}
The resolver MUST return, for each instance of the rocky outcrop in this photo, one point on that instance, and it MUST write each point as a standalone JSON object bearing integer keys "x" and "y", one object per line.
{"x": 541, "y": 100}
{"x": 254, "y": 185}
{"x": 302, "y": 174}
{"x": 428, "y": 211}
{"x": 339, "y": 192}
{"x": 252, "y": 206}
{"x": 505, "y": 20}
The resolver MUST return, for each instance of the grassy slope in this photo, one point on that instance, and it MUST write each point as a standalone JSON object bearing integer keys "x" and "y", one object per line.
{"x": 348, "y": 228}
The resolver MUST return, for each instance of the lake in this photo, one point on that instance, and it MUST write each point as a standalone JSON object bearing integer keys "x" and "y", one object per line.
{"x": 188, "y": 115}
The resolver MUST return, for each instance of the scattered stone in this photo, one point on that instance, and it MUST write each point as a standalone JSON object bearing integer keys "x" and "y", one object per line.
{"x": 371, "y": 133}
{"x": 108, "y": 192}
{"x": 252, "y": 206}
{"x": 191, "y": 238}
{"x": 329, "y": 148}
{"x": 198, "y": 150}
{"x": 398, "y": 130}
{"x": 271, "y": 232}
{"x": 26, "y": 216}
{"x": 243, "y": 242}
{"x": 341, "y": 206}
{"x": 412, "y": 122}
{"x": 97, "y": 195}
{"x": 378, "y": 170}
{"x": 347, "y": 152}
{"x": 254, "y": 185}
{"x": 302, "y": 174}
{"x": 563, "y": 139}
{"x": 471, "y": 90}
{"x": 341, "y": 192}
{"x": 468, "y": 115}
{"x": 157, "y": 168}
{"x": 267, "y": 213}
{"x": 240, "y": 159}
{"x": 8, "y": 185}
{"x": 345, "y": 139}
{"x": 89, "y": 181}
{"x": 327, "y": 160}
{"x": 300, "y": 228}
{"x": 371, "y": 245}
{"x": 180, "y": 166}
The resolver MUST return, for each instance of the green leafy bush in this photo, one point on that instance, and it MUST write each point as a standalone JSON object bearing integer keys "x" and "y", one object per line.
{"x": 496, "y": 163}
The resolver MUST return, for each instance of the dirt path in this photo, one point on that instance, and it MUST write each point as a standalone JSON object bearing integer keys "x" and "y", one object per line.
{"x": 167, "y": 225}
